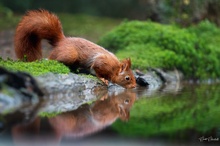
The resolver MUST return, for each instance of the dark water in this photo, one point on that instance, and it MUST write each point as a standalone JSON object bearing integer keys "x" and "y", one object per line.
{"x": 186, "y": 114}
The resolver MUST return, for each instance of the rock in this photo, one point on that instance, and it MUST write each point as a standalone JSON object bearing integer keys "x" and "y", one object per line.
{"x": 62, "y": 92}
{"x": 67, "y": 91}
{"x": 56, "y": 83}
{"x": 17, "y": 89}
{"x": 149, "y": 80}
{"x": 168, "y": 76}
{"x": 154, "y": 78}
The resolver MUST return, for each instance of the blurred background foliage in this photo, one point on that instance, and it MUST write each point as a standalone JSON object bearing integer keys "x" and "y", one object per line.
{"x": 184, "y": 12}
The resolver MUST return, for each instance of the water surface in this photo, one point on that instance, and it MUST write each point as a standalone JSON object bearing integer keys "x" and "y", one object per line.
{"x": 185, "y": 114}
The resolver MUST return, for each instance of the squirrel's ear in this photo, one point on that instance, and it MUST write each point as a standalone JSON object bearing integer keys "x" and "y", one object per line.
{"x": 125, "y": 64}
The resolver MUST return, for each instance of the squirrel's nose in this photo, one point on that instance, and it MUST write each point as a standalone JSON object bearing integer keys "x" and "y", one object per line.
{"x": 132, "y": 86}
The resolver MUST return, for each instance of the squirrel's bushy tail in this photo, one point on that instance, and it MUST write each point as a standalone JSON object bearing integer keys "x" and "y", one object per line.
{"x": 33, "y": 27}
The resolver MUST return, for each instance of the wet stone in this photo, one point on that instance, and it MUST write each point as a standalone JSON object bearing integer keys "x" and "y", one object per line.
{"x": 65, "y": 91}
{"x": 17, "y": 90}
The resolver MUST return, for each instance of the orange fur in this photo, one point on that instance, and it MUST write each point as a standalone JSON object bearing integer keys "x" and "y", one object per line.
{"x": 33, "y": 27}
{"x": 41, "y": 24}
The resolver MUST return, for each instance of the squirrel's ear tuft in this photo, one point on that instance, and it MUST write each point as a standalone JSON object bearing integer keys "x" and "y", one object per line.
{"x": 129, "y": 62}
{"x": 125, "y": 65}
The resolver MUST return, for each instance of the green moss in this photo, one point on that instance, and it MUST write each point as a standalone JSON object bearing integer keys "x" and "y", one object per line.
{"x": 151, "y": 44}
{"x": 35, "y": 68}
{"x": 155, "y": 58}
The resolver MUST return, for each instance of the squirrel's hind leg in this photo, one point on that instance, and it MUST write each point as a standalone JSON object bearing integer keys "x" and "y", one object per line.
{"x": 66, "y": 56}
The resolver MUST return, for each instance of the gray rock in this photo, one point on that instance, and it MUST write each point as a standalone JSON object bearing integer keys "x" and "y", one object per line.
{"x": 17, "y": 90}
{"x": 63, "y": 92}
{"x": 67, "y": 91}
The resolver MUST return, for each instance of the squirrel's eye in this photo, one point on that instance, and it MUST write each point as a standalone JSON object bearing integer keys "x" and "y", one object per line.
{"x": 127, "y": 78}
{"x": 126, "y": 101}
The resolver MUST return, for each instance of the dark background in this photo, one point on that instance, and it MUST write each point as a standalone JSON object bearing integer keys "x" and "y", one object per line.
{"x": 183, "y": 12}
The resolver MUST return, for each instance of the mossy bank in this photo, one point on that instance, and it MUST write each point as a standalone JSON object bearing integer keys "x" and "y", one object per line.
{"x": 41, "y": 67}
{"x": 194, "y": 50}
{"x": 36, "y": 68}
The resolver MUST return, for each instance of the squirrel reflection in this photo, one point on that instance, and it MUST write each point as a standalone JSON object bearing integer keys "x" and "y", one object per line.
{"x": 87, "y": 119}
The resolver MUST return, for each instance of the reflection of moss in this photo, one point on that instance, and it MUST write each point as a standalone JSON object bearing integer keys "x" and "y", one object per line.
{"x": 168, "y": 46}
{"x": 35, "y": 68}
{"x": 198, "y": 110}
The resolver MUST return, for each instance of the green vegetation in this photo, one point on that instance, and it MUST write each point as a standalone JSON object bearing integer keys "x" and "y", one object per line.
{"x": 173, "y": 116}
{"x": 208, "y": 33}
{"x": 35, "y": 68}
{"x": 89, "y": 27}
{"x": 8, "y": 20}
{"x": 194, "y": 50}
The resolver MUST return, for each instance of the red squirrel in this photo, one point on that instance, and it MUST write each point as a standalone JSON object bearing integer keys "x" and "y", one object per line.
{"x": 73, "y": 51}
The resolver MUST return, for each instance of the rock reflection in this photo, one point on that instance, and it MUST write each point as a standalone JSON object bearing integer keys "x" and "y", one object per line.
{"x": 86, "y": 120}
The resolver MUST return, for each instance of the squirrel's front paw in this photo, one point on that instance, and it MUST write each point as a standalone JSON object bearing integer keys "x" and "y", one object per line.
{"x": 104, "y": 81}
